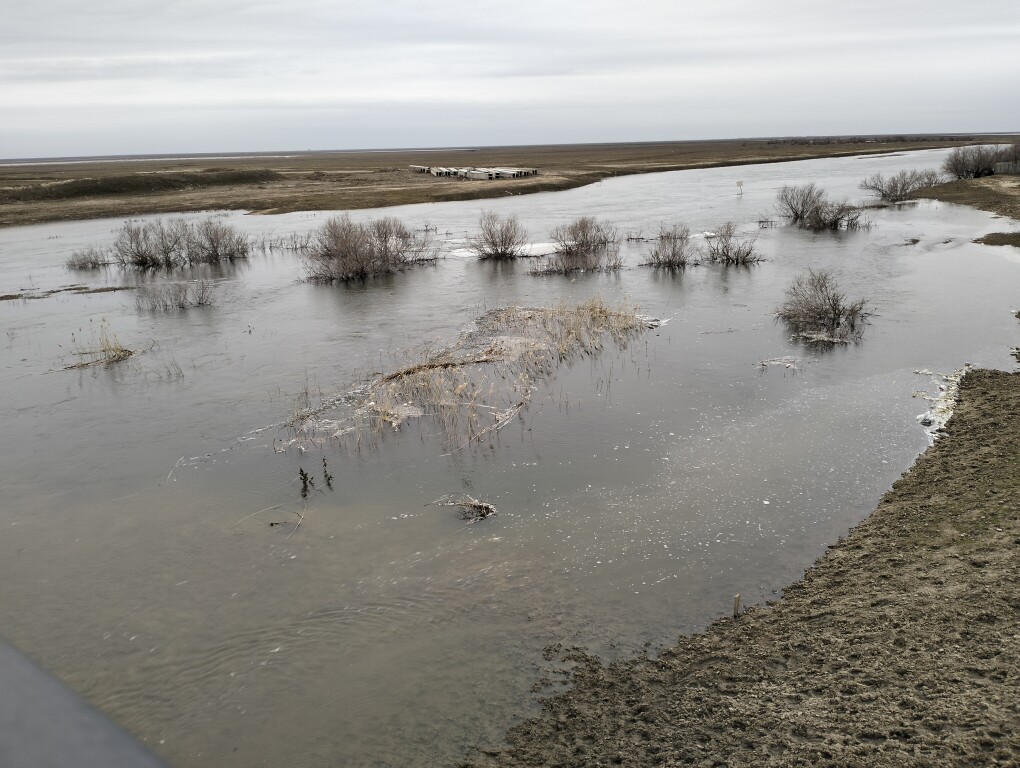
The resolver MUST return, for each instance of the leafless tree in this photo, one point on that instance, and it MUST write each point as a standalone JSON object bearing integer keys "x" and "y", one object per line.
{"x": 975, "y": 162}
{"x": 499, "y": 238}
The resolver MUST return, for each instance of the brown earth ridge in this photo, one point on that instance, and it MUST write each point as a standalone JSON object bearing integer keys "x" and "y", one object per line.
{"x": 33, "y": 193}
{"x": 900, "y": 647}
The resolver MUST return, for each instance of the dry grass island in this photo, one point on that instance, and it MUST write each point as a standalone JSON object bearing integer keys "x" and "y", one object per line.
{"x": 32, "y": 193}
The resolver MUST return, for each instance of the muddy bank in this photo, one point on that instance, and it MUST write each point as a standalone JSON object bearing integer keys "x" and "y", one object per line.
{"x": 900, "y": 647}
{"x": 996, "y": 194}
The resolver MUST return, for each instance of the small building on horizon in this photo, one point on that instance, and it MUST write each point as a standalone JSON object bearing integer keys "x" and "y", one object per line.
{"x": 475, "y": 173}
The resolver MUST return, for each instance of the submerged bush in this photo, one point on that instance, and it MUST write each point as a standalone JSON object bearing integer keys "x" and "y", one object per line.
{"x": 817, "y": 310}
{"x": 177, "y": 243}
{"x": 796, "y": 203}
{"x": 584, "y": 245}
{"x": 210, "y": 242}
{"x": 808, "y": 207}
{"x": 902, "y": 185}
{"x": 499, "y": 238}
{"x": 89, "y": 258}
{"x": 342, "y": 250}
{"x": 726, "y": 248}
{"x": 673, "y": 248}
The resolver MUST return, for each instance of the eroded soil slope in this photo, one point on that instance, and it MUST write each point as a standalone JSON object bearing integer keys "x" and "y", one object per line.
{"x": 901, "y": 647}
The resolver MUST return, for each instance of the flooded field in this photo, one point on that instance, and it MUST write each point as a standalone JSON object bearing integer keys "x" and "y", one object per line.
{"x": 161, "y": 553}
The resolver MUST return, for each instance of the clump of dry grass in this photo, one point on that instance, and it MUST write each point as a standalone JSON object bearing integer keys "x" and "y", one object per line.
{"x": 471, "y": 509}
{"x": 342, "y": 250}
{"x": 476, "y": 386}
{"x": 174, "y": 296}
{"x": 584, "y": 245}
{"x": 727, "y": 248}
{"x": 102, "y": 349}
{"x": 815, "y": 309}
{"x": 499, "y": 238}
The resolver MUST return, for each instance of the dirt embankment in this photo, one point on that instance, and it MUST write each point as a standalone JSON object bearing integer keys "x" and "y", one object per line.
{"x": 32, "y": 194}
{"x": 995, "y": 194}
{"x": 900, "y": 647}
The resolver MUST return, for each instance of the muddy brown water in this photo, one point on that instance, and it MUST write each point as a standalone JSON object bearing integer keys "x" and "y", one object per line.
{"x": 636, "y": 495}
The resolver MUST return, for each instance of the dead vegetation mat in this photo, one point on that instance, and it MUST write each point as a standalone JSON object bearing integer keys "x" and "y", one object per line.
{"x": 901, "y": 647}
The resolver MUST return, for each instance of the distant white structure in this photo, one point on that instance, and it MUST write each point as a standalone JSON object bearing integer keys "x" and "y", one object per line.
{"x": 475, "y": 173}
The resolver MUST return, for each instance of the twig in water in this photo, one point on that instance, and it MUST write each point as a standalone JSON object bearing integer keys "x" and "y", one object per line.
{"x": 472, "y": 510}
{"x": 179, "y": 462}
{"x": 267, "y": 509}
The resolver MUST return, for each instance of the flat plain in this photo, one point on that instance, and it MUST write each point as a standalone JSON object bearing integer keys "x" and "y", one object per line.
{"x": 285, "y": 182}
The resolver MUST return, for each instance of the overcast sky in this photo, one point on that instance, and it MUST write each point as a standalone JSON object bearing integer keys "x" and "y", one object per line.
{"x": 133, "y": 76}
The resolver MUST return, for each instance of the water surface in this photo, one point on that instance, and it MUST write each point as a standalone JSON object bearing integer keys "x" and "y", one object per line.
{"x": 636, "y": 494}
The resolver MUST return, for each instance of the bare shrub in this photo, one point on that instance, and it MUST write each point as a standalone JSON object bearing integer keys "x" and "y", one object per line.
{"x": 795, "y": 203}
{"x": 673, "y": 249}
{"x": 808, "y": 207}
{"x": 584, "y": 245}
{"x": 816, "y": 309}
{"x": 726, "y": 248}
{"x": 499, "y": 238}
{"x": 174, "y": 296}
{"x": 835, "y": 215}
{"x": 902, "y": 185}
{"x": 211, "y": 241}
{"x": 89, "y": 258}
{"x": 342, "y": 250}
{"x": 974, "y": 162}
{"x": 175, "y": 243}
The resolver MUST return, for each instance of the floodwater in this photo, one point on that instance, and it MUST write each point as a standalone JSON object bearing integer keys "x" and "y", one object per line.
{"x": 637, "y": 494}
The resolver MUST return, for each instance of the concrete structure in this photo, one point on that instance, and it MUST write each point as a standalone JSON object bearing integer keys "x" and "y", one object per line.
{"x": 475, "y": 173}
{"x": 1007, "y": 167}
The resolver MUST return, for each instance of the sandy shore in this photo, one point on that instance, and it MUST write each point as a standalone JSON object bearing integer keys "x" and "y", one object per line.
{"x": 308, "y": 181}
{"x": 900, "y": 647}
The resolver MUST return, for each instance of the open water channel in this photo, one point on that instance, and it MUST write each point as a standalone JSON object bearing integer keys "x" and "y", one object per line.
{"x": 637, "y": 493}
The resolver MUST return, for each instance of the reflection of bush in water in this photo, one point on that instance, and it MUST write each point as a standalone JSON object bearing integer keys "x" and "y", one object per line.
{"x": 173, "y": 296}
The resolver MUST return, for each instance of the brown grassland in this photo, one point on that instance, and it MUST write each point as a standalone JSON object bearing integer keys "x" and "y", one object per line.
{"x": 32, "y": 194}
